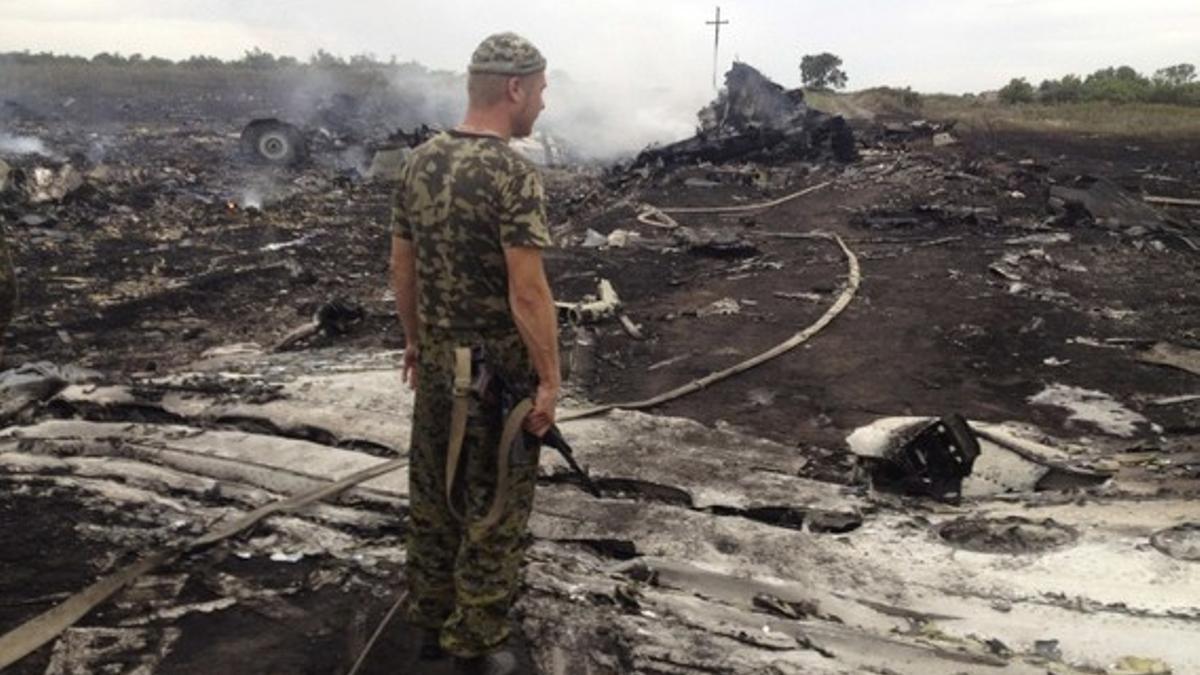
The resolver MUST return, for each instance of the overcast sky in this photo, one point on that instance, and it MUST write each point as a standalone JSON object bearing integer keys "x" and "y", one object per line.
{"x": 932, "y": 45}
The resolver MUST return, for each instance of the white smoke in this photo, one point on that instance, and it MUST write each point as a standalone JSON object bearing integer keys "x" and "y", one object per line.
{"x": 24, "y": 145}
{"x": 612, "y": 121}
{"x": 596, "y": 121}
{"x": 251, "y": 198}
{"x": 592, "y": 121}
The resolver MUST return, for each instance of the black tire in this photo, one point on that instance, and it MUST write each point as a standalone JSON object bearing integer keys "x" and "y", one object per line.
{"x": 271, "y": 141}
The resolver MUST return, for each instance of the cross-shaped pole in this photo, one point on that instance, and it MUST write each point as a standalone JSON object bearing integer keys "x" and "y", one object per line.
{"x": 716, "y": 24}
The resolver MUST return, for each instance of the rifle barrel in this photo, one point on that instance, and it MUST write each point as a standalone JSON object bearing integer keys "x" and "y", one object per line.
{"x": 554, "y": 439}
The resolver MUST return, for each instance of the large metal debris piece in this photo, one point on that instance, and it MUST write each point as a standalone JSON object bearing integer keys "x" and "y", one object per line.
{"x": 1105, "y": 204}
{"x": 757, "y": 119}
{"x": 929, "y": 459}
{"x": 937, "y": 459}
{"x": 1011, "y": 458}
{"x": 749, "y": 101}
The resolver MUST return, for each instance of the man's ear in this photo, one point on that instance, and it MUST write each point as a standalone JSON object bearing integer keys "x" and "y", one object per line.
{"x": 515, "y": 89}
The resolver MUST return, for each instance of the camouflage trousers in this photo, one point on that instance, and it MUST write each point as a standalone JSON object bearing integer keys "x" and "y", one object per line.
{"x": 464, "y": 586}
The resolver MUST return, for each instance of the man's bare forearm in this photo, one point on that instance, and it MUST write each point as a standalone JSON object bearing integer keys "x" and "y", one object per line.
{"x": 537, "y": 322}
{"x": 404, "y": 285}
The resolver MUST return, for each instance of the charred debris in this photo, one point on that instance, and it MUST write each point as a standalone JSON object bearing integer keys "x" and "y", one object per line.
{"x": 752, "y": 119}
{"x": 222, "y": 289}
{"x": 755, "y": 119}
{"x": 253, "y": 208}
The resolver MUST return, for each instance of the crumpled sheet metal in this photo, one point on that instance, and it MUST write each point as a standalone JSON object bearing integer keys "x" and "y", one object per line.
{"x": 1013, "y": 457}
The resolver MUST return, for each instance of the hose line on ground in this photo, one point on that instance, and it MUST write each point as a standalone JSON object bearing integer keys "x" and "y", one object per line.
{"x": 659, "y": 218}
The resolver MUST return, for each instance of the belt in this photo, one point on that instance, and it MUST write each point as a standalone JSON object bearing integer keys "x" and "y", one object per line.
{"x": 458, "y": 421}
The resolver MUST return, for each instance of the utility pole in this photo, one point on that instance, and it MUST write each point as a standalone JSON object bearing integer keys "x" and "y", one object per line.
{"x": 716, "y": 24}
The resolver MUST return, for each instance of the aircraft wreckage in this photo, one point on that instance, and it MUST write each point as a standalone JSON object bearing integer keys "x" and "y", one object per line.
{"x": 222, "y": 487}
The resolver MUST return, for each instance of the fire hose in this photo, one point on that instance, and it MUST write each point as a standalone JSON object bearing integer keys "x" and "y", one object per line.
{"x": 659, "y": 217}
{"x": 30, "y": 636}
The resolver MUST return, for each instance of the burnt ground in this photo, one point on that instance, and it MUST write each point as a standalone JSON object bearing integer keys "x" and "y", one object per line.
{"x": 294, "y": 616}
{"x": 145, "y": 274}
{"x": 933, "y": 329}
{"x": 142, "y": 270}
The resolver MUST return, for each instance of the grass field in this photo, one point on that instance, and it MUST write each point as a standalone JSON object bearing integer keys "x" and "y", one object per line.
{"x": 980, "y": 114}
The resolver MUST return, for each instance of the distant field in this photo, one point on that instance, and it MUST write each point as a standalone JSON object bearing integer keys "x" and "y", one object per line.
{"x": 147, "y": 93}
{"x": 977, "y": 114}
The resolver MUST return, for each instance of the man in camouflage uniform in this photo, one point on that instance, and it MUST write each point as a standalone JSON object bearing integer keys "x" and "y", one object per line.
{"x": 468, "y": 226}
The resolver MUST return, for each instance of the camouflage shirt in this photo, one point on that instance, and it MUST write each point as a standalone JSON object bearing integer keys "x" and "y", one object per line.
{"x": 461, "y": 200}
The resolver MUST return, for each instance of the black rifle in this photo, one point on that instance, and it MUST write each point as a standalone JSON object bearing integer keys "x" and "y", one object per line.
{"x": 554, "y": 439}
{"x": 489, "y": 385}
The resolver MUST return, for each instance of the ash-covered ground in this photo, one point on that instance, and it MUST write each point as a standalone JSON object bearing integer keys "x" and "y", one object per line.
{"x": 1012, "y": 278}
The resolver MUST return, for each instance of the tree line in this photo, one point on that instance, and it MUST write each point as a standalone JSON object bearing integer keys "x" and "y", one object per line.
{"x": 254, "y": 59}
{"x": 1173, "y": 84}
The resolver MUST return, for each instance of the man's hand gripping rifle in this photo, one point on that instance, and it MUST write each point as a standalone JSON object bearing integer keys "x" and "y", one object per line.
{"x": 515, "y": 402}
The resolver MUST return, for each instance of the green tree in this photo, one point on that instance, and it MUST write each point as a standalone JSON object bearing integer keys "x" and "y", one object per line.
{"x": 257, "y": 59}
{"x": 823, "y": 71}
{"x": 1017, "y": 91}
{"x": 202, "y": 61}
{"x": 1176, "y": 76}
{"x": 324, "y": 59}
{"x": 1128, "y": 74}
{"x": 1067, "y": 90}
{"x": 104, "y": 58}
{"x": 365, "y": 60}
{"x": 1117, "y": 85}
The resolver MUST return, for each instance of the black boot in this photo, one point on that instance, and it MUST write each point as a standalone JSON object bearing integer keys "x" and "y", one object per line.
{"x": 431, "y": 648}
